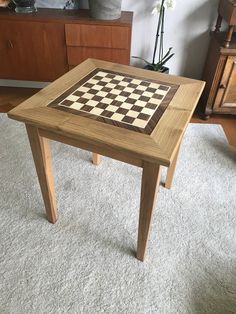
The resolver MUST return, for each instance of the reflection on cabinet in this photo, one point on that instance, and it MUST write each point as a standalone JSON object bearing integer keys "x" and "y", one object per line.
{"x": 44, "y": 45}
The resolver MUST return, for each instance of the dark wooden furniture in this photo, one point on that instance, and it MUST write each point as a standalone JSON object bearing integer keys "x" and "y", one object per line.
{"x": 227, "y": 11}
{"x": 44, "y": 45}
{"x": 220, "y": 68}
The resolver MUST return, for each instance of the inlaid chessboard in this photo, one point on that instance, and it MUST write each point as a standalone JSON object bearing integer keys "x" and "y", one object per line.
{"x": 118, "y": 99}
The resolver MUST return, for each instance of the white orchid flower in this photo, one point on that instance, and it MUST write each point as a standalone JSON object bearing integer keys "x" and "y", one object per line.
{"x": 168, "y": 4}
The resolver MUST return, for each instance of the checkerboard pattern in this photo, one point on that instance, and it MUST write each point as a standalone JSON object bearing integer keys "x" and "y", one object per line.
{"x": 116, "y": 99}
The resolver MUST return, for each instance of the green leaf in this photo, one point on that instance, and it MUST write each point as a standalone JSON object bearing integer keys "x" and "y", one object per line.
{"x": 166, "y": 59}
{"x": 148, "y": 63}
{"x": 159, "y": 65}
{"x": 167, "y": 54}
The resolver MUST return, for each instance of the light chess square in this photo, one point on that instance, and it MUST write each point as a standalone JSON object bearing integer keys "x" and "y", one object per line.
{"x": 113, "y": 98}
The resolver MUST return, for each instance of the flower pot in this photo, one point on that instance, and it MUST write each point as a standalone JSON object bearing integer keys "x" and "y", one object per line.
{"x": 164, "y": 70}
{"x": 105, "y": 9}
{"x": 25, "y": 6}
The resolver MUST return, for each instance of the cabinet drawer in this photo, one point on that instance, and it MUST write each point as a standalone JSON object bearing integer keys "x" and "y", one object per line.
{"x": 32, "y": 50}
{"x": 121, "y": 37}
{"x": 88, "y": 35}
{"x": 76, "y": 55}
{"x": 97, "y": 36}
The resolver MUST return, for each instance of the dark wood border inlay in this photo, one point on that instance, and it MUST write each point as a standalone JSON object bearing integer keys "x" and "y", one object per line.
{"x": 151, "y": 124}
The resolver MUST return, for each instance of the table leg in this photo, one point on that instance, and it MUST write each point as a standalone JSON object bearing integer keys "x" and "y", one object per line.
{"x": 96, "y": 159}
{"x": 171, "y": 170}
{"x": 42, "y": 158}
{"x": 150, "y": 184}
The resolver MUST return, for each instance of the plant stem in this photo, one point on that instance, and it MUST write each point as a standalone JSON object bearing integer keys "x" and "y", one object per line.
{"x": 161, "y": 46}
{"x": 158, "y": 31}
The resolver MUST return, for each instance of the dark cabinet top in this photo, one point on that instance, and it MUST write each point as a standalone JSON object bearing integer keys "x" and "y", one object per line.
{"x": 64, "y": 16}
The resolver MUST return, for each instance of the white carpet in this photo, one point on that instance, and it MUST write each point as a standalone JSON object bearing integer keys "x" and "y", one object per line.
{"x": 85, "y": 263}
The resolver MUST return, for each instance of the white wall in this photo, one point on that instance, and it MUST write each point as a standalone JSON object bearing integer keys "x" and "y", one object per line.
{"x": 187, "y": 31}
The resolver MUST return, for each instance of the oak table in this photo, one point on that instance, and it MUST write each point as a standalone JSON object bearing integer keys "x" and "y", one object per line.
{"x": 129, "y": 114}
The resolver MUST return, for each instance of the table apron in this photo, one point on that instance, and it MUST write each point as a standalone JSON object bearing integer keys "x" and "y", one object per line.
{"x": 105, "y": 151}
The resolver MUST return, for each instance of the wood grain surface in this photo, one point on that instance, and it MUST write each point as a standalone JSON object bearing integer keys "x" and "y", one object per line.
{"x": 160, "y": 146}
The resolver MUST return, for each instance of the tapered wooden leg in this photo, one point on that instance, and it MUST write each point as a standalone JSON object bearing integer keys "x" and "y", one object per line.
{"x": 96, "y": 159}
{"x": 42, "y": 159}
{"x": 171, "y": 170}
{"x": 150, "y": 183}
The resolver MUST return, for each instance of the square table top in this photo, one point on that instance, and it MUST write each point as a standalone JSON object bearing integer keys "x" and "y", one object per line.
{"x": 139, "y": 113}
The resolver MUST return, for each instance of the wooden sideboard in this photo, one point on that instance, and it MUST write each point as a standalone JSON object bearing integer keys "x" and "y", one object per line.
{"x": 44, "y": 45}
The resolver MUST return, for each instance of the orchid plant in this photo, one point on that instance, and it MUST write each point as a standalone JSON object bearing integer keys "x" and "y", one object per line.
{"x": 158, "y": 65}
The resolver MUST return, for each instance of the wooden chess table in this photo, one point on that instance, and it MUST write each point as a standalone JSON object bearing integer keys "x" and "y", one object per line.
{"x": 129, "y": 114}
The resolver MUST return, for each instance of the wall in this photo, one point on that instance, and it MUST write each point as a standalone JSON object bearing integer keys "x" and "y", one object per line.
{"x": 186, "y": 30}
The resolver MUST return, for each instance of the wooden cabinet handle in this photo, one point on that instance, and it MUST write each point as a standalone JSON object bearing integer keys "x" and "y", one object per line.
{"x": 10, "y": 44}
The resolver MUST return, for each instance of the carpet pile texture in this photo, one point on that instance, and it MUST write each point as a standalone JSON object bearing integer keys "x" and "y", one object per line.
{"x": 85, "y": 262}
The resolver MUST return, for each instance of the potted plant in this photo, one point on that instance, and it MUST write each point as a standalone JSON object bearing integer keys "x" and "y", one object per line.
{"x": 105, "y": 9}
{"x": 160, "y": 58}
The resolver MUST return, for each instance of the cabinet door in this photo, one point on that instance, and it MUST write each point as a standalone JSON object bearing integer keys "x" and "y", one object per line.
{"x": 109, "y": 43}
{"x": 97, "y": 36}
{"x": 226, "y": 96}
{"x": 32, "y": 50}
{"x": 88, "y": 35}
{"x": 76, "y": 55}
